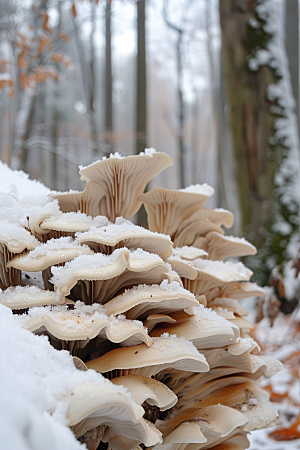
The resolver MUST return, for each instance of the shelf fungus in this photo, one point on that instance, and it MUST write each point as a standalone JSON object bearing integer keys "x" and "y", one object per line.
{"x": 151, "y": 317}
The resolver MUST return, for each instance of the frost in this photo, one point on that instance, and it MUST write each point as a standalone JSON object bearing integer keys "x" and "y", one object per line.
{"x": 227, "y": 271}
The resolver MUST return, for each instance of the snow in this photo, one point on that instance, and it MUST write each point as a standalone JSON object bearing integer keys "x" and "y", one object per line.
{"x": 227, "y": 271}
{"x": 18, "y": 184}
{"x": 202, "y": 189}
{"x": 33, "y": 376}
{"x": 68, "y": 319}
{"x": 187, "y": 346}
{"x": 59, "y": 244}
{"x": 61, "y": 274}
{"x": 117, "y": 155}
{"x": 120, "y": 228}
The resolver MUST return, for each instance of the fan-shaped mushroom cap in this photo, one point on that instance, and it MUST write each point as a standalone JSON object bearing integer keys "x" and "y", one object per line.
{"x": 230, "y": 304}
{"x": 114, "y": 185}
{"x": 212, "y": 274}
{"x": 264, "y": 365}
{"x": 110, "y": 273}
{"x": 139, "y": 301}
{"x": 123, "y": 233}
{"x": 69, "y": 222}
{"x": 189, "y": 253}
{"x": 259, "y": 412}
{"x": 199, "y": 224}
{"x": 14, "y": 239}
{"x": 22, "y": 297}
{"x": 84, "y": 322}
{"x": 54, "y": 251}
{"x": 205, "y": 329}
{"x": 89, "y": 405}
{"x": 167, "y": 208}
{"x": 214, "y": 421}
{"x": 221, "y": 247}
{"x": 147, "y": 389}
{"x": 183, "y": 268}
{"x": 142, "y": 360}
{"x": 235, "y": 355}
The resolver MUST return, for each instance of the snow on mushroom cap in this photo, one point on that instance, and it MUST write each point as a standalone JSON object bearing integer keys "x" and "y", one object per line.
{"x": 226, "y": 271}
{"x": 15, "y": 237}
{"x": 86, "y": 262}
{"x": 20, "y": 297}
{"x": 203, "y": 189}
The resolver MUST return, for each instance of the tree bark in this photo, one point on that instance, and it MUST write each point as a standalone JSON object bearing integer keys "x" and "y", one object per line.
{"x": 255, "y": 160}
{"x": 108, "y": 78}
{"x": 292, "y": 45}
{"x": 141, "y": 93}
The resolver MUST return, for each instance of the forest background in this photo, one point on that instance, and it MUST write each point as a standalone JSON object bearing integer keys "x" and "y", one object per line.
{"x": 213, "y": 84}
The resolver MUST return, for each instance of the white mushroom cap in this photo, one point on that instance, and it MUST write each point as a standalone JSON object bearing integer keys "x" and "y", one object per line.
{"x": 84, "y": 322}
{"x": 205, "y": 329}
{"x": 52, "y": 252}
{"x": 22, "y": 297}
{"x": 200, "y": 223}
{"x": 110, "y": 273}
{"x": 123, "y": 233}
{"x": 212, "y": 274}
{"x": 147, "y": 389}
{"x": 16, "y": 238}
{"x": 141, "y": 300}
{"x": 184, "y": 268}
{"x": 230, "y": 304}
{"x": 142, "y": 360}
{"x": 234, "y": 355}
{"x": 167, "y": 208}
{"x": 221, "y": 247}
{"x": 189, "y": 253}
{"x": 215, "y": 422}
{"x": 89, "y": 405}
{"x": 114, "y": 185}
{"x": 71, "y": 222}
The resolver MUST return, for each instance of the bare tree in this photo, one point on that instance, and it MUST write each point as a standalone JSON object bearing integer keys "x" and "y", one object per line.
{"x": 179, "y": 28}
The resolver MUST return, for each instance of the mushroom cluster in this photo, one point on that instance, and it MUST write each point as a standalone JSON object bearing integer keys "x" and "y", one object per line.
{"x": 153, "y": 310}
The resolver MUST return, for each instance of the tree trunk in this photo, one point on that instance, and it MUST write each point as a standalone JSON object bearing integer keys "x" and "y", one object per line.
{"x": 141, "y": 94}
{"x": 255, "y": 160}
{"x": 108, "y": 78}
{"x": 292, "y": 45}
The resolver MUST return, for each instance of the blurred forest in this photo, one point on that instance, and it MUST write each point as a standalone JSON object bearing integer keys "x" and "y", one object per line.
{"x": 213, "y": 84}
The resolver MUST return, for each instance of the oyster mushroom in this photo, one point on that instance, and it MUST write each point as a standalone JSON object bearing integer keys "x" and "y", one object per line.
{"x": 125, "y": 234}
{"x": 114, "y": 185}
{"x": 99, "y": 277}
{"x": 167, "y": 208}
{"x": 148, "y": 361}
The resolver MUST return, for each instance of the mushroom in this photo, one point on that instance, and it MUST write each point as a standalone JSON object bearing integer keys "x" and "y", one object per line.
{"x": 55, "y": 224}
{"x": 84, "y": 324}
{"x": 14, "y": 239}
{"x": 22, "y": 297}
{"x": 148, "y": 361}
{"x": 201, "y": 222}
{"x": 205, "y": 329}
{"x": 167, "y": 208}
{"x": 114, "y": 185}
{"x": 221, "y": 247}
{"x": 125, "y": 234}
{"x": 99, "y": 277}
{"x": 139, "y": 301}
{"x": 90, "y": 405}
{"x": 211, "y": 274}
{"x": 144, "y": 389}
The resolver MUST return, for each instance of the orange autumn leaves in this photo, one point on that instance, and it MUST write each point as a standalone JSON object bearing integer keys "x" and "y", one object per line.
{"x": 37, "y": 56}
